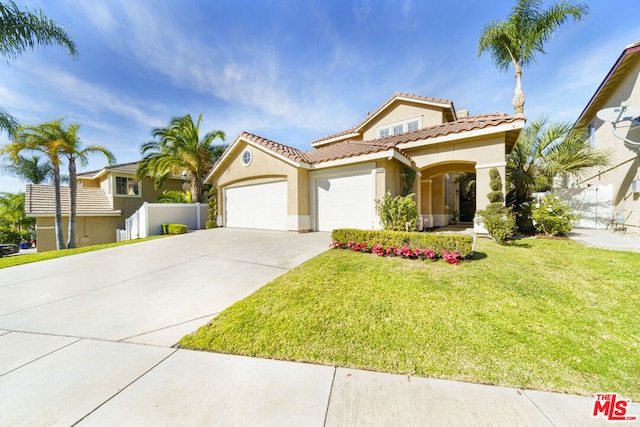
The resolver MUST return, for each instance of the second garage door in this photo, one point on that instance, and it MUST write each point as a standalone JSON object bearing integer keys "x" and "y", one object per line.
{"x": 345, "y": 202}
{"x": 261, "y": 206}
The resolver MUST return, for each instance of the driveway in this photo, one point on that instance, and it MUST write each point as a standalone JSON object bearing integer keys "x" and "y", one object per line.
{"x": 151, "y": 292}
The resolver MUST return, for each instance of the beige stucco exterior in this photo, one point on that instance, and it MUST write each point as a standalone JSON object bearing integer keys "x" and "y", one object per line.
{"x": 622, "y": 84}
{"x": 90, "y": 231}
{"x": 435, "y": 160}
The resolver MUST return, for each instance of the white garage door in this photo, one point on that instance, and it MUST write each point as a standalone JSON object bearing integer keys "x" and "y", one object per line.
{"x": 257, "y": 206}
{"x": 345, "y": 202}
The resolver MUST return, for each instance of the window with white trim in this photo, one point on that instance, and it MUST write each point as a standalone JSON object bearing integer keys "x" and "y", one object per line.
{"x": 246, "y": 157}
{"x": 126, "y": 186}
{"x": 398, "y": 128}
{"x": 592, "y": 135}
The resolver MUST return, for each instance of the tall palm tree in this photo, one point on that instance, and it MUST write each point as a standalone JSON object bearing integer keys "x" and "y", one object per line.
{"x": 179, "y": 150}
{"x": 31, "y": 169}
{"x": 21, "y": 30}
{"x": 543, "y": 151}
{"x": 517, "y": 40}
{"x": 75, "y": 153}
{"x": 43, "y": 138}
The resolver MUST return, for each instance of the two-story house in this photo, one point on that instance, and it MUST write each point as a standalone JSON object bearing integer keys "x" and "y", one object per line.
{"x": 265, "y": 184}
{"x": 105, "y": 198}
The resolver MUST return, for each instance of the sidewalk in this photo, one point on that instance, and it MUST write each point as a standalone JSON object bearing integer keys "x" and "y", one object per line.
{"x": 606, "y": 239}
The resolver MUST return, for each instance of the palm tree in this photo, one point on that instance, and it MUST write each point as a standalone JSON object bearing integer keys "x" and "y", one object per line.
{"x": 12, "y": 214}
{"x": 178, "y": 150}
{"x": 75, "y": 153}
{"x": 43, "y": 138}
{"x": 30, "y": 169}
{"x": 543, "y": 151}
{"x": 21, "y": 30}
{"x": 517, "y": 40}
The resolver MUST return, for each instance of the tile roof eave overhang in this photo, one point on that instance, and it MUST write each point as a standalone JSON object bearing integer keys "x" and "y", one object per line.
{"x": 505, "y": 127}
{"x": 603, "y": 89}
{"x": 79, "y": 214}
{"x": 388, "y": 154}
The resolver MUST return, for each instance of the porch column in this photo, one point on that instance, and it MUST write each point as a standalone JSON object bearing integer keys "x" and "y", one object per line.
{"x": 426, "y": 208}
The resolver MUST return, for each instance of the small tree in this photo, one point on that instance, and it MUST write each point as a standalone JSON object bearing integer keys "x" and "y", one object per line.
{"x": 212, "y": 219}
{"x": 396, "y": 212}
{"x": 499, "y": 220}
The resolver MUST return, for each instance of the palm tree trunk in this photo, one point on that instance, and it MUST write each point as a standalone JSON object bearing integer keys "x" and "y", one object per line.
{"x": 58, "y": 208}
{"x": 73, "y": 191}
{"x": 518, "y": 94}
{"x": 196, "y": 189}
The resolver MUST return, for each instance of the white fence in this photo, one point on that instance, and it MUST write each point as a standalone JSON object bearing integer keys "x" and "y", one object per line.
{"x": 593, "y": 204}
{"x": 147, "y": 221}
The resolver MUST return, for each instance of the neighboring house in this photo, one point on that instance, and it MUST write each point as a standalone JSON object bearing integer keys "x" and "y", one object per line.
{"x": 106, "y": 197}
{"x": 610, "y": 197}
{"x": 265, "y": 184}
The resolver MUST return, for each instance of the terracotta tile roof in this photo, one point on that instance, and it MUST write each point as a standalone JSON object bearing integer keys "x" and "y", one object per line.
{"x": 284, "y": 150}
{"x": 382, "y": 107}
{"x": 353, "y": 148}
{"x": 39, "y": 200}
{"x": 464, "y": 124}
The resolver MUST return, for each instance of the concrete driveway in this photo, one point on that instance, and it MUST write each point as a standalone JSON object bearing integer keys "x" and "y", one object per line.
{"x": 152, "y": 292}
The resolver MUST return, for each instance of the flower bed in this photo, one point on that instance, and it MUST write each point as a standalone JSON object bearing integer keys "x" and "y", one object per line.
{"x": 450, "y": 247}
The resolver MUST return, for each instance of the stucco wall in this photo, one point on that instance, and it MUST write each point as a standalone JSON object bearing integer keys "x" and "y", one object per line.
{"x": 89, "y": 231}
{"x": 625, "y": 165}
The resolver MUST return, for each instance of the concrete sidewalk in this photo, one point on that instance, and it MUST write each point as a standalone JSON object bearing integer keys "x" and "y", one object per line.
{"x": 54, "y": 380}
{"x": 606, "y": 239}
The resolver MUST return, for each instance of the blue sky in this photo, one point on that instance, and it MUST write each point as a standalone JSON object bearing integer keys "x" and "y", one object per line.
{"x": 290, "y": 70}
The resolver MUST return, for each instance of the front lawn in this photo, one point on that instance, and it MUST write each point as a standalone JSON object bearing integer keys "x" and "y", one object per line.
{"x": 535, "y": 314}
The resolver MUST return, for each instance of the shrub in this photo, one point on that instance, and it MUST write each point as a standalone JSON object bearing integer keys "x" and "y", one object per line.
{"x": 499, "y": 221}
{"x": 174, "y": 229}
{"x": 396, "y": 212}
{"x": 553, "y": 216}
{"x": 14, "y": 237}
{"x": 437, "y": 243}
{"x": 212, "y": 211}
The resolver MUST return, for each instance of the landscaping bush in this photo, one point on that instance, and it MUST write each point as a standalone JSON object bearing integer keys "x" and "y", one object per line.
{"x": 212, "y": 211}
{"x": 438, "y": 243}
{"x": 396, "y": 212}
{"x": 14, "y": 237}
{"x": 553, "y": 217}
{"x": 174, "y": 229}
{"x": 500, "y": 221}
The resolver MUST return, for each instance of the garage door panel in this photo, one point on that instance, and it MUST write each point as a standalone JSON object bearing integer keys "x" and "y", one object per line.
{"x": 345, "y": 202}
{"x": 262, "y": 206}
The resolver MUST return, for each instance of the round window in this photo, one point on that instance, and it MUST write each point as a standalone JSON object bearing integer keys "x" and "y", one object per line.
{"x": 246, "y": 157}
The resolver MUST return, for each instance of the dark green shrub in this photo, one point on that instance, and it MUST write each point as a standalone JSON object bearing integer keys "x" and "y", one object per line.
{"x": 436, "y": 242}
{"x": 499, "y": 220}
{"x": 174, "y": 229}
{"x": 212, "y": 211}
{"x": 13, "y": 237}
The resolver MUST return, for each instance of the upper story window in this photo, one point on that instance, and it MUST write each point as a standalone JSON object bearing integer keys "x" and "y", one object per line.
{"x": 592, "y": 135}
{"x": 246, "y": 157}
{"x": 126, "y": 186}
{"x": 398, "y": 128}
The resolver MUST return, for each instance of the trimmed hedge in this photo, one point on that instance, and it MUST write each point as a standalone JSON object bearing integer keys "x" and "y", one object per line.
{"x": 174, "y": 229}
{"x": 460, "y": 243}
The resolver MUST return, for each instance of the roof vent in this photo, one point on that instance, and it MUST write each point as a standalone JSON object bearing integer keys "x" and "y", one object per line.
{"x": 462, "y": 112}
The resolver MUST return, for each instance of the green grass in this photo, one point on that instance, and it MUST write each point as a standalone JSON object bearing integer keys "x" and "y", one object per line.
{"x": 535, "y": 314}
{"x": 13, "y": 260}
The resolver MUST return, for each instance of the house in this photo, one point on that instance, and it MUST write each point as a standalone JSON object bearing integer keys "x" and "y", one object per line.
{"x": 105, "y": 198}
{"x": 264, "y": 184}
{"x": 610, "y": 197}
